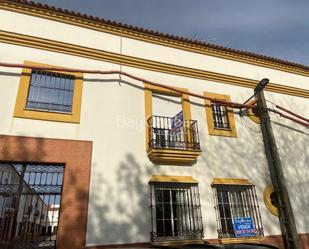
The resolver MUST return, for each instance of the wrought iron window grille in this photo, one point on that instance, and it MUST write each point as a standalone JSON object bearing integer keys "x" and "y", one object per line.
{"x": 236, "y": 201}
{"x": 51, "y": 92}
{"x": 220, "y": 117}
{"x": 32, "y": 192}
{"x": 175, "y": 211}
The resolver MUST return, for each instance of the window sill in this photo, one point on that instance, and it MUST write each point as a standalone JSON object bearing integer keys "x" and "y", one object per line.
{"x": 48, "y": 111}
{"x": 47, "y": 116}
{"x": 222, "y": 132}
{"x": 173, "y": 156}
{"x": 222, "y": 129}
{"x": 254, "y": 240}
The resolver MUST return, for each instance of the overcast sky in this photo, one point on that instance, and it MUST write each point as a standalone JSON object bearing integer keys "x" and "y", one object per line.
{"x": 277, "y": 28}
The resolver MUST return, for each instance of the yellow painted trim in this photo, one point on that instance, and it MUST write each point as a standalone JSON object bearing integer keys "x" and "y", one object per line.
{"x": 150, "y": 89}
{"x": 271, "y": 208}
{"x": 163, "y": 90}
{"x": 168, "y": 156}
{"x": 211, "y": 129}
{"x": 230, "y": 181}
{"x": 101, "y": 55}
{"x": 148, "y": 113}
{"x": 254, "y": 117}
{"x": 256, "y": 240}
{"x": 176, "y": 152}
{"x": 22, "y": 96}
{"x": 185, "y": 101}
{"x": 173, "y": 157}
{"x": 152, "y": 38}
{"x": 168, "y": 178}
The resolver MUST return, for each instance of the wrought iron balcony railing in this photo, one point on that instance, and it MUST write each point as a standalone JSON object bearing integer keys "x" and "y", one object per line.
{"x": 171, "y": 133}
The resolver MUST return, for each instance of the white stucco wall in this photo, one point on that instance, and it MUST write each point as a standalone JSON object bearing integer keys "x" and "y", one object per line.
{"x": 112, "y": 116}
{"x": 293, "y": 147}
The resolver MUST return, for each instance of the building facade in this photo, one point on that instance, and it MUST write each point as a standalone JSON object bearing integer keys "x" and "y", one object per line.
{"x": 141, "y": 163}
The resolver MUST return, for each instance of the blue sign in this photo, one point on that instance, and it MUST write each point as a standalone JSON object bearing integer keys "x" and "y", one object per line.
{"x": 177, "y": 121}
{"x": 244, "y": 227}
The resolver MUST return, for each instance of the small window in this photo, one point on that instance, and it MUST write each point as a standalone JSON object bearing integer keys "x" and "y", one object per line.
{"x": 219, "y": 115}
{"x": 176, "y": 211}
{"x": 233, "y": 203}
{"x": 220, "y": 119}
{"x": 49, "y": 95}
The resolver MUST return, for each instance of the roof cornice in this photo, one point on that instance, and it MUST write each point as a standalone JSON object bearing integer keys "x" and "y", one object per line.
{"x": 101, "y": 55}
{"x": 103, "y": 25}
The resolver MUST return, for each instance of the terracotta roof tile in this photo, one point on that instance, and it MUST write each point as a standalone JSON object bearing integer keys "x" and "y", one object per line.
{"x": 160, "y": 34}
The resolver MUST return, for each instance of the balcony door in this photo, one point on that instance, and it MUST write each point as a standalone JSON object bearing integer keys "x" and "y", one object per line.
{"x": 168, "y": 131}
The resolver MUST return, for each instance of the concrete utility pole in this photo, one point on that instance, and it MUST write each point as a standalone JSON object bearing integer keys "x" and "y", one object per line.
{"x": 286, "y": 217}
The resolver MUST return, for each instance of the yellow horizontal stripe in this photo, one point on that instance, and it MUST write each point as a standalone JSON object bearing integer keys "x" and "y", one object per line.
{"x": 66, "y": 48}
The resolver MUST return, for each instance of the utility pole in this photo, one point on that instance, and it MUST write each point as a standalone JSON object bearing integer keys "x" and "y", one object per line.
{"x": 286, "y": 217}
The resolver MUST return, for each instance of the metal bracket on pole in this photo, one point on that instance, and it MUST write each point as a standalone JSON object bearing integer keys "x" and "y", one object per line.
{"x": 259, "y": 87}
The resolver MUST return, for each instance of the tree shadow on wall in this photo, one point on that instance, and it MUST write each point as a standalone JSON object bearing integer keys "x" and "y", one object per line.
{"x": 247, "y": 154}
{"x": 119, "y": 210}
{"x": 293, "y": 146}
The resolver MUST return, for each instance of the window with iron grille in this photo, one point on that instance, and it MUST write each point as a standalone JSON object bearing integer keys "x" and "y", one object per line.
{"x": 220, "y": 117}
{"x": 236, "y": 201}
{"x": 50, "y": 91}
{"x": 175, "y": 211}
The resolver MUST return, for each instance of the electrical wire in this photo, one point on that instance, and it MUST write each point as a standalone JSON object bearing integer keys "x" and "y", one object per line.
{"x": 306, "y": 124}
{"x": 292, "y": 113}
{"x": 172, "y": 89}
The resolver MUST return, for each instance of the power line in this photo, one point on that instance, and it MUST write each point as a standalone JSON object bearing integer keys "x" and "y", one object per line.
{"x": 172, "y": 89}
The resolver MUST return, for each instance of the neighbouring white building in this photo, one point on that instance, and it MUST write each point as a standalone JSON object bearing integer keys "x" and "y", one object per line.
{"x": 53, "y": 217}
{"x": 139, "y": 163}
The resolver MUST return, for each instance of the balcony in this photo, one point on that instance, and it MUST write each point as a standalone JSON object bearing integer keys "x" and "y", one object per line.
{"x": 172, "y": 140}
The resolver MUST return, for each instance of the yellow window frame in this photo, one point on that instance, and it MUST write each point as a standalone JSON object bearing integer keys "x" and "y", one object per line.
{"x": 150, "y": 89}
{"x": 22, "y": 96}
{"x": 212, "y": 130}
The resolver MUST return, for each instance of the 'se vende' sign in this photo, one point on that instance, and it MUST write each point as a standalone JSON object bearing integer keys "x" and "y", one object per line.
{"x": 244, "y": 227}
